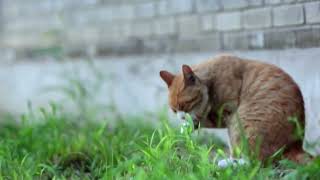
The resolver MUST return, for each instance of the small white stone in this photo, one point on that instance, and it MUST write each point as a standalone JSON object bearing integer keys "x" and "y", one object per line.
{"x": 242, "y": 161}
{"x": 224, "y": 163}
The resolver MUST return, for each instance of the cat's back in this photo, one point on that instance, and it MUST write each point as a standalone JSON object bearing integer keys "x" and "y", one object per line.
{"x": 268, "y": 91}
{"x": 255, "y": 81}
{"x": 255, "y": 76}
{"x": 224, "y": 66}
{"x": 252, "y": 73}
{"x": 266, "y": 80}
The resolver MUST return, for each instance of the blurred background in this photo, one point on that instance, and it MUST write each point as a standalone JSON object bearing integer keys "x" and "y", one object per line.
{"x": 108, "y": 53}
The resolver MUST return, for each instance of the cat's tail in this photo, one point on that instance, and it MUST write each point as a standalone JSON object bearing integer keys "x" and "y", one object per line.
{"x": 296, "y": 153}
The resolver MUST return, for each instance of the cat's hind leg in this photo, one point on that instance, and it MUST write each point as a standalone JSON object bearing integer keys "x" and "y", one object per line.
{"x": 259, "y": 132}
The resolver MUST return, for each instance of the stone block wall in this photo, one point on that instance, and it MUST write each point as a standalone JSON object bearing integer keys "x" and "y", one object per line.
{"x": 104, "y": 27}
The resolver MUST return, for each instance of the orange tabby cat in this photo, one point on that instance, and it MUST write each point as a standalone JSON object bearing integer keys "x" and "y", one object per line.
{"x": 258, "y": 100}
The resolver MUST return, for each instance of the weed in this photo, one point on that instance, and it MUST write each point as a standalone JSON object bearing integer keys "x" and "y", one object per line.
{"x": 61, "y": 148}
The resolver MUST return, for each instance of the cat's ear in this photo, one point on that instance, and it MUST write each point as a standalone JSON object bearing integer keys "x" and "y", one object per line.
{"x": 167, "y": 77}
{"x": 189, "y": 76}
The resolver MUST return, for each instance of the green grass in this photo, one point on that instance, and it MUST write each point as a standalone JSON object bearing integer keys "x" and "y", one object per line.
{"x": 59, "y": 146}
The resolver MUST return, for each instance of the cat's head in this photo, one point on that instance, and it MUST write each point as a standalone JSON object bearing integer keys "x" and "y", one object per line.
{"x": 187, "y": 94}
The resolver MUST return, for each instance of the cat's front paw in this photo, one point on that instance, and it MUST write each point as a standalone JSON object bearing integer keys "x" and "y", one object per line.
{"x": 224, "y": 163}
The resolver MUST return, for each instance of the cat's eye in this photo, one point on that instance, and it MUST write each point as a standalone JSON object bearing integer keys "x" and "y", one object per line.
{"x": 175, "y": 111}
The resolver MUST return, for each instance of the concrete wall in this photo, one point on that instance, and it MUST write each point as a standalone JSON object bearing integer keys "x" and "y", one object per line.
{"x": 103, "y": 27}
{"x": 133, "y": 82}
